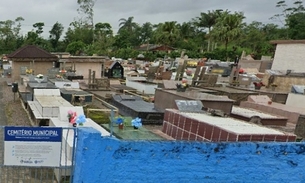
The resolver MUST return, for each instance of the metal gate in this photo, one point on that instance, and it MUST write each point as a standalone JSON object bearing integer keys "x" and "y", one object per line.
{"x": 63, "y": 173}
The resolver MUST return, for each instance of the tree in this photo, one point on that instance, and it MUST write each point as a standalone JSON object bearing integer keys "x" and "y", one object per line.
{"x": 228, "y": 27}
{"x": 207, "y": 20}
{"x": 128, "y": 34}
{"x": 39, "y": 28}
{"x": 103, "y": 39}
{"x": 127, "y": 24}
{"x": 76, "y": 48}
{"x": 145, "y": 32}
{"x": 55, "y": 34}
{"x": 86, "y": 11}
{"x": 296, "y": 26}
{"x": 103, "y": 29}
{"x": 167, "y": 33}
{"x": 287, "y": 11}
{"x": 7, "y": 35}
{"x": 77, "y": 32}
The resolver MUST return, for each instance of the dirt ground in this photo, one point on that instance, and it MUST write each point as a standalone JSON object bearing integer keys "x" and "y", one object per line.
{"x": 12, "y": 112}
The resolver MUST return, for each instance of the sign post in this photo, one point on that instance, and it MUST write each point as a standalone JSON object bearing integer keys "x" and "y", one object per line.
{"x": 32, "y": 146}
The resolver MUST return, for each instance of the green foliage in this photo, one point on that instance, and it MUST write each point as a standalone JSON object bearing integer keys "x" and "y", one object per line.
{"x": 212, "y": 34}
{"x": 55, "y": 34}
{"x": 296, "y": 24}
{"x": 76, "y": 48}
{"x": 125, "y": 53}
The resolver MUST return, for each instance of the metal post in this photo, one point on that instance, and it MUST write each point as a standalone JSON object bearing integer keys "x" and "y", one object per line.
{"x": 111, "y": 122}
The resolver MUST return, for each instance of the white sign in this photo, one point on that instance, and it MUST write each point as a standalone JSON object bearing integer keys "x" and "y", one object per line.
{"x": 32, "y": 146}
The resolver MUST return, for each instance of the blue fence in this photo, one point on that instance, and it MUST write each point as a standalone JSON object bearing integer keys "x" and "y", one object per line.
{"x": 100, "y": 159}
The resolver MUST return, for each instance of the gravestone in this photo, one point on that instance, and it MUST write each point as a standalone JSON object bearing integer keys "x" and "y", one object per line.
{"x": 189, "y": 105}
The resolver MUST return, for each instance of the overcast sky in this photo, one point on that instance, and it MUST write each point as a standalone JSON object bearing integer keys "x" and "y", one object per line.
{"x": 154, "y": 11}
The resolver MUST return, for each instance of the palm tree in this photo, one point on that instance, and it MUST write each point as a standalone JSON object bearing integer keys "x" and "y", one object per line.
{"x": 167, "y": 33}
{"x": 186, "y": 30}
{"x": 228, "y": 27}
{"x": 127, "y": 24}
{"x": 207, "y": 20}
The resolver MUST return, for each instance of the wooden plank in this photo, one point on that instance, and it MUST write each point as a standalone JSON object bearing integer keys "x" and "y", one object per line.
{"x": 196, "y": 74}
{"x": 180, "y": 71}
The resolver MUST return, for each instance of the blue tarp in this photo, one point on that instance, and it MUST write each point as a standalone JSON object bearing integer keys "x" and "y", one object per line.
{"x": 298, "y": 89}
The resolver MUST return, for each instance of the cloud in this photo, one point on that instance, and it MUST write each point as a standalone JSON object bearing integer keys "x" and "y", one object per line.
{"x": 154, "y": 11}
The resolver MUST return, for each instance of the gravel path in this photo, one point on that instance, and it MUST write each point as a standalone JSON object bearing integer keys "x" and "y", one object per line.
{"x": 12, "y": 112}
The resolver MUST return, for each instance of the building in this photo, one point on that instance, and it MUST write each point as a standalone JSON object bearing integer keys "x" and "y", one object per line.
{"x": 33, "y": 58}
{"x": 81, "y": 65}
{"x": 289, "y": 55}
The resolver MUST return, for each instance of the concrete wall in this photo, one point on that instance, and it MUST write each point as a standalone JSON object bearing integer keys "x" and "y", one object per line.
{"x": 292, "y": 114}
{"x": 289, "y": 56}
{"x": 296, "y": 100}
{"x": 82, "y": 68}
{"x": 260, "y": 65}
{"x": 100, "y": 159}
{"x": 38, "y": 68}
{"x": 284, "y": 83}
{"x": 166, "y": 100}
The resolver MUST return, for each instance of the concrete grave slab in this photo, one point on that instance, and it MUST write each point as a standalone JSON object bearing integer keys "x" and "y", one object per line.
{"x": 170, "y": 84}
{"x": 64, "y": 84}
{"x": 259, "y": 99}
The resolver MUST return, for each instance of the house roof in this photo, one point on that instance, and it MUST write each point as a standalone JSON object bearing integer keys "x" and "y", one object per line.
{"x": 33, "y": 52}
{"x": 154, "y": 47}
{"x": 301, "y": 41}
{"x": 97, "y": 59}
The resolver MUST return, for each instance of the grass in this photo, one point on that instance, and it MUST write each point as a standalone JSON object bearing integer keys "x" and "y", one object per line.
{"x": 97, "y": 116}
{"x": 8, "y": 112}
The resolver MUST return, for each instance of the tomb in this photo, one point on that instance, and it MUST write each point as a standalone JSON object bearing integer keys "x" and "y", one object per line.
{"x": 141, "y": 85}
{"x": 134, "y": 106}
{"x": 45, "y": 104}
{"x": 165, "y": 99}
{"x": 68, "y": 139}
{"x": 71, "y": 92}
{"x": 258, "y": 117}
{"x": 232, "y": 93}
{"x": 201, "y": 126}
{"x": 114, "y": 70}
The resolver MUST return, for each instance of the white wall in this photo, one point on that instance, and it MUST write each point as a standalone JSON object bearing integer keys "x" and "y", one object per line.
{"x": 296, "y": 100}
{"x": 289, "y": 57}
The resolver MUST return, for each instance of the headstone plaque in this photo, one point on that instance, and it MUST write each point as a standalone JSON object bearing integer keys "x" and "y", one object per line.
{"x": 189, "y": 105}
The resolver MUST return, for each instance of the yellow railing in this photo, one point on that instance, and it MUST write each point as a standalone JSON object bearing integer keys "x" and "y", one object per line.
{"x": 148, "y": 99}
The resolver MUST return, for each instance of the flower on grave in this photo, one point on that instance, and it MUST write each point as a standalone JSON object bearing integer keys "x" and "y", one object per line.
{"x": 39, "y": 76}
{"x": 188, "y": 72}
{"x": 58, "y": 76}
{"x": 73, "y": 117}
{"x": 258, "y": 84}
{"x": 273, "y": 85}
{"x": 137, "y": 122}
{"x": 81, "y": 119}
{"x": 119, "y": 121}
{"x": 182, "y": 85}
{"x": 29, "y": 71}
{"x": 70, "y": 113}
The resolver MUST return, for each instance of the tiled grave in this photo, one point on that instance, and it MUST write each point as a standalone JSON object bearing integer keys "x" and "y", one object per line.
{"x": 204, "y": 127}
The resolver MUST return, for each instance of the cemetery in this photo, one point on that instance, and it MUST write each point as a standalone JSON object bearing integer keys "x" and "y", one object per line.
{"x": 209, "y": 101}
{"x": 149, "y": 96}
